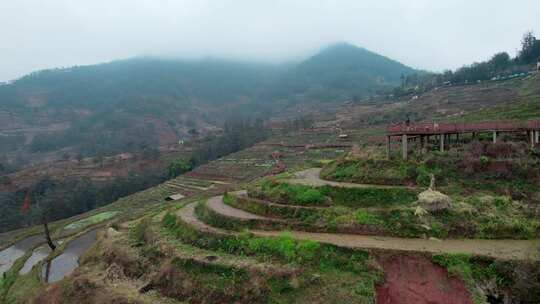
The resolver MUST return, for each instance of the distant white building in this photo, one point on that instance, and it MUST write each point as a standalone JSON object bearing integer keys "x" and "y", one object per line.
{"x": 175, "y": 197}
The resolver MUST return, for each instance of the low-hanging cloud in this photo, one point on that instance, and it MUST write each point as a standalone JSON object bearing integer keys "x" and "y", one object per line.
{"x": 433, "y": 35}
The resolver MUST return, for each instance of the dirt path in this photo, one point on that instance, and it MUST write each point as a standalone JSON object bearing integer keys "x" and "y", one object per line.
{"x": 216, "y": 204}
{"x": 503, "y": 249}
{"x": 187, "y": 214}
{"x": 310, "y": 177}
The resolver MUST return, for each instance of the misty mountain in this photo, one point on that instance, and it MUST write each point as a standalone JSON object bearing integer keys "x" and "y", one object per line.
{"x": 341, "y": 71}
{"x": 157, "y": 101}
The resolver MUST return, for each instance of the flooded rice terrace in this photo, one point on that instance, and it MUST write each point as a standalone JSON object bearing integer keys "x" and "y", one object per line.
{"x": 65, "y": 263}
{"x": 9, "y": 255}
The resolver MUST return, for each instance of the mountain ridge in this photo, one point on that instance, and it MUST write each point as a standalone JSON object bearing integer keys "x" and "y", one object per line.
{"x": 151, "y": 101}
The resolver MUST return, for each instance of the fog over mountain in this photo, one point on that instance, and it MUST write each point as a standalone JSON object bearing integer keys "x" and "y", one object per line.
{"x": 422, "y": 34}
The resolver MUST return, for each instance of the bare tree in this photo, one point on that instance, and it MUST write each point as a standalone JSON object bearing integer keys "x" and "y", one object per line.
{"x": 44, "y": 201}
{"x": 47, "y": 233}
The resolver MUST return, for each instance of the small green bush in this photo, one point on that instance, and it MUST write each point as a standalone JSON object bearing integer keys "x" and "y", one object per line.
{"x": 366, "y": 218}
{"x": 507, "y": 227}
{"x": 306, "y": 250}
{"x": 307, "y": 196}
{"x": 365, "y": 288}
{"x": 292, "y": 194}
{"x": 502, "y": 203}
{"x": 484, "y": 160}
{"x": 472, "y": 269}
{"x": 457, "y": 265}
{"x": 177, "y": 167}
{"x": 369, "y": 197}
{"x": 369, "y": 171}
{"x": 169, "y": 220}
{"x": 138, "y": 232}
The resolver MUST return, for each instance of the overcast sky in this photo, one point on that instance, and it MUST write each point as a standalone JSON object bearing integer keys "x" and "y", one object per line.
{"x": 427, "y": 34}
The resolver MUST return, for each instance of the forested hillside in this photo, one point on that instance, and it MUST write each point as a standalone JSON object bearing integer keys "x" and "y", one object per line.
{"x": 144, "y": 100}
{"x": 342, "y": 71}
{"x": 111, "y": 129}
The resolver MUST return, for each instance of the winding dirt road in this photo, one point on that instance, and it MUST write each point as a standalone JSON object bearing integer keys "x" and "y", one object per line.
{"x": 311, "y": 177}
{"x": 501, "y": 249}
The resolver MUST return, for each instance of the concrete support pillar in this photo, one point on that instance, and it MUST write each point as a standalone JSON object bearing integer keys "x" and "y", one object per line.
{"x": 442, "y": 142}
{"x": 388, "y": 147}
{"x": 422, "y": 143}
{"x": 537, "y": 136}
{"x": 404, "y": 146}
{"x": 494, "y": 137}
{"x": 532, "y": 135}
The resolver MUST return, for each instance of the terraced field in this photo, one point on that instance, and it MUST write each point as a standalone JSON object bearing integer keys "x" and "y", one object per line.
{"x": 499, "y": 249}
{"x": 257, "y": 247}
{"x": 288, "y": 238}
{"x": 243, "y": 224}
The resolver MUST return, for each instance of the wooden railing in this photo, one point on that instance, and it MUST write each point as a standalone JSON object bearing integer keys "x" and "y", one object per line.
{"x": 446, "y": 128}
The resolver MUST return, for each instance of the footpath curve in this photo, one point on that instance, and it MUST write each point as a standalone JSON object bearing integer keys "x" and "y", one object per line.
{"x": 310, "y": 177}
{"x": 506, "y": 249}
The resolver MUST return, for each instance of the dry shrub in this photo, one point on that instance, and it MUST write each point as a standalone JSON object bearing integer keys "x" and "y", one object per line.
{"x": 525, "y": 284}
{"x": 78, "y": 290}
{"x": 500, "y": 169}
{"x": 499, "y": 150}
{"x": 188, "y": 281}
{"x": 125, "y": 258}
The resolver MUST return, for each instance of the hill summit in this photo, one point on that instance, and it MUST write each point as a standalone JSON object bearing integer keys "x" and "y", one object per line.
{"x": 343, "y": 69}
{"x": 106, "y": 107}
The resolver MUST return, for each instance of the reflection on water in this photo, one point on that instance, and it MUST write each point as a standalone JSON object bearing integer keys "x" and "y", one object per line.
{"x": 37, "y": 256}
{"x": 9, "y": 255}
{"x": 66, "y": 262}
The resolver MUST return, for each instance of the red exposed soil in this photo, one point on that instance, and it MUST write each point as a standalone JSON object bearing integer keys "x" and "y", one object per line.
{"x": 164, "y": 132}
{"x": 201, "y": 173}
{"x": 108, "y": 169}
{"x": 416, "y": 280}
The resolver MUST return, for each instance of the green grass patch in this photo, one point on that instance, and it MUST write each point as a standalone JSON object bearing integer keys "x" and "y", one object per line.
{"x": 91, "y": 220}
{"x": 292, "y": 194}
{"x": 370, "y": 171}
{"x": 283, "y": 248}
{"x": 334, "y": 271}
{"x": 365, "y": 217}
{"x": 8, "y": 279}
{"x": 24, "y": 287}
{"x": 210, "y": 283}
{"x": 476, "y": 270}
{"x": 282, "y": 211}
{"x": 137, "y": 233}
{"x": 369, "y": 196}
{"x": 304, "y": 195}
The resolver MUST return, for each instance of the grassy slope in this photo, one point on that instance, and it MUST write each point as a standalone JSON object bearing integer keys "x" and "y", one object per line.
{"x": 526, "y": 106}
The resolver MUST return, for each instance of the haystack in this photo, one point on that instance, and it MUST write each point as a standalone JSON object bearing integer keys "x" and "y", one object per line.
{"x": 432, "y": 200}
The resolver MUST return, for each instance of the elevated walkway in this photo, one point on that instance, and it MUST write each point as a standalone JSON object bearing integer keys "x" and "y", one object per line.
{"x": 444, "y": 130}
